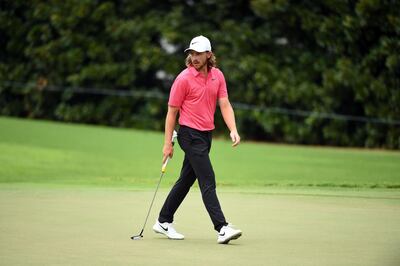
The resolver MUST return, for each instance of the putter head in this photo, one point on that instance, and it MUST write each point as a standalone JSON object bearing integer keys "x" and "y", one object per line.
{"x": 138, "y": 237}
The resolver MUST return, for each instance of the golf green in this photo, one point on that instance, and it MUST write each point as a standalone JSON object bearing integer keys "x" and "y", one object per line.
{"x": 45, "y": 225}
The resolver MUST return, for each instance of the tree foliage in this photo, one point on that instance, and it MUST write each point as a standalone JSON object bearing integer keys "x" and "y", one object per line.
{"x": 330, "y": 56}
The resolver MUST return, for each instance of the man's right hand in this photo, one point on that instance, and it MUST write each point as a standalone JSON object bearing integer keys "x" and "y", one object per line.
{"x": 168, "y": 151}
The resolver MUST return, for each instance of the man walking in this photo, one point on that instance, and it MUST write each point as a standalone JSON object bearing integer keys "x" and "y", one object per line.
{"x": 194, "y": 95}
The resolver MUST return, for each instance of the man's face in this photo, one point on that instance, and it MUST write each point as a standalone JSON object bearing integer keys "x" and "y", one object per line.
{"x": 199, "y": 60}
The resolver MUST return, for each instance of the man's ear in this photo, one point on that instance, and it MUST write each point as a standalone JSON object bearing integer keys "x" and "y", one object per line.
{"x": 209, "y": 55}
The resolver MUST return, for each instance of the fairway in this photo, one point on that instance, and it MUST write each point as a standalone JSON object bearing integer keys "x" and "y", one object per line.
{"x": 44, "y": 152}
{"x": 74, "y": 194}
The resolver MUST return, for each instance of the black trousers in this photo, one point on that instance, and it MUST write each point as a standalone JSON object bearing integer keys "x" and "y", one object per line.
{"x": 196, "y": 145}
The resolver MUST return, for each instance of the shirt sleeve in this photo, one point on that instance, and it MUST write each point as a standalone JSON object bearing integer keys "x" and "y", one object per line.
{"x": 222, "y": 90}
{"x": 178, "y": 92}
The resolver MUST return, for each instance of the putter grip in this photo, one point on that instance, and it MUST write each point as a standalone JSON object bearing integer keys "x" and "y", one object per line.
{"x": 164, "y": 166}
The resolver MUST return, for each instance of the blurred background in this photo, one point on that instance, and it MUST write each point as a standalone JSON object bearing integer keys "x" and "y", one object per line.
{"x": 305, "y": 72}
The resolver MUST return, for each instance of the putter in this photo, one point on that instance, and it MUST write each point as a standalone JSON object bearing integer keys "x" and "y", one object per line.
{"x": 164, "y": 166}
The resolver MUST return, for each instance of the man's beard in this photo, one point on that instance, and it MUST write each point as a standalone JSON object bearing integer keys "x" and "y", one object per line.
{"x": 200, "y": 67}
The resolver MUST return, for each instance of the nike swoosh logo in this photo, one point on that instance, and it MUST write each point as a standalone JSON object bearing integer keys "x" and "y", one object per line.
{"x": 165, "y": 229}
{"x": 222, "y": 234}
{"x": 193, "y": 43}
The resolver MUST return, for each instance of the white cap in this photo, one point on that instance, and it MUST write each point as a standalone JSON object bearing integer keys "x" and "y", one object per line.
{"x": 199, "y": 44}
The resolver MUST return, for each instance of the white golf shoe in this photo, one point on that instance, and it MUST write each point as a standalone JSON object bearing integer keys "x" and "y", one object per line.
{"x": 228, "y": 233}
{"x": 168, "y": 230}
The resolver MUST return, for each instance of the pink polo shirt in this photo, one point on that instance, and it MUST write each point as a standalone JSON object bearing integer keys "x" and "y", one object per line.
{"x": 196, "y": 96}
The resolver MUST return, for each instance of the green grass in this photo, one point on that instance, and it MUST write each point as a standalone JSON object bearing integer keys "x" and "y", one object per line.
{"x": 43, "y": 152}
{"x": 74, "y": 194}
{"x": 92, "y": 226}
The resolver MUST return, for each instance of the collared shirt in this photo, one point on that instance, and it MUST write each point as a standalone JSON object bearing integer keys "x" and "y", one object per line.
{"x": 196, "y": 96}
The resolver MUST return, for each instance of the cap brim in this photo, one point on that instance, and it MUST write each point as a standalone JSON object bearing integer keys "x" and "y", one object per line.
{"x": 194, "y": 49}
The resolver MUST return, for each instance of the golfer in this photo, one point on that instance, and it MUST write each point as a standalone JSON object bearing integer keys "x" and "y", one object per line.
{"x": 194, "y": 95}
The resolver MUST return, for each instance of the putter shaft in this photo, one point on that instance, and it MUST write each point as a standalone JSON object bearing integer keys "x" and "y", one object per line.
{"x": 164, "y": 166}
{"x": 148, "y": 212}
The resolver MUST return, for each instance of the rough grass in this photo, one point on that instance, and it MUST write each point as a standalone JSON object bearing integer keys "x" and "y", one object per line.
{"x": 43, "y": 152}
